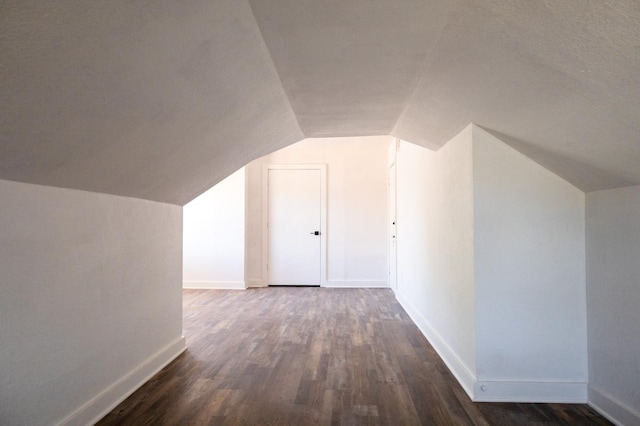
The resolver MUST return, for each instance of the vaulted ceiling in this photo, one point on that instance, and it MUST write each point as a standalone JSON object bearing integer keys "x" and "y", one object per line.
{"x": 162, "y": 99}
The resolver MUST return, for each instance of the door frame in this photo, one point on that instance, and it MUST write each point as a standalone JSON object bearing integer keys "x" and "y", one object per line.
{"x": 323, "y": 215}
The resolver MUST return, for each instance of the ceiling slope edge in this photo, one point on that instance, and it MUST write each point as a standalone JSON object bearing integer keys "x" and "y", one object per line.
{"x": 583, "y": 176}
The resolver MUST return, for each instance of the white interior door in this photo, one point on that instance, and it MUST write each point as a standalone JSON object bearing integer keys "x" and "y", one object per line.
{"x": 393, "y": 240}
{"x": 294, "y": 226}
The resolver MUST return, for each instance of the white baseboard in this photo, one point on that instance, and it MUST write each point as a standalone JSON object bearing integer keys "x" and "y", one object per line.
{"x": 210, "y": 285}
{"x": 531, "y": 392}
{"x": 100, "y": 405}
{"x": 495, "y": 391}
{"x": 256, "y": 283}
{"x": 356, "y": 284}
{"x": 615, "y": 411}
{"x": 458, "y": 368}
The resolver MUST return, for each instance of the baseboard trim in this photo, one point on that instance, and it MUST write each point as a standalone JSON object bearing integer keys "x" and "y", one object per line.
{"x": 458, "y": 368}
{"x": 356, "y": 284}
{"x": 100, "y": 405}
{"x": 615, "y": 411}
{"x": 531, "y": 392}
{"x": 212, "y": 285}
{"x": 256, "y": 283}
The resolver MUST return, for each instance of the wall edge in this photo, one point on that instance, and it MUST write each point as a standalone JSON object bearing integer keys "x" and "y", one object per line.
{"x": 610, "y": 407}
{"x": 460, "y": 371}
{"x": 101, "y": 404}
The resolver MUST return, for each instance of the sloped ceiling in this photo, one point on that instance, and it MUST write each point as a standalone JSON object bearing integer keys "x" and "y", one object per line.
{"x": 557, "y": 80}
{"x": 151, "y": 99}
{"x": 162, "y": 99}
{"x": 350, "y": 67}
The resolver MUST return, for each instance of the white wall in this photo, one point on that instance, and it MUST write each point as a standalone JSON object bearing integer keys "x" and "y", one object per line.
{"x": 90, "y": 300}
{"x": 613, "y": 302}
{"x": 491, "y": 266}
{"x": 435, "y": 248}
{"x": 530, "y": 278}
{"x": 213, "y": 236}
{"x": 357, "y": 208}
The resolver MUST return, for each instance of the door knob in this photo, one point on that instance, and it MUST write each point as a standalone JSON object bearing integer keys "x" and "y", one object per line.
{"x": 315, "y": 233}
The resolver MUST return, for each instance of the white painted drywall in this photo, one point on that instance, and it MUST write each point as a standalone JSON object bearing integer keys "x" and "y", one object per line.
{"x": 357, "y": 208}
{"x": 90, "y": 300}
{"x": 530, "y": 278}
{"x": 613, "y": 302}
{"x": 435, "y": 248}
{"x": 213, "y": 235}
{"x": 491, "y": 266}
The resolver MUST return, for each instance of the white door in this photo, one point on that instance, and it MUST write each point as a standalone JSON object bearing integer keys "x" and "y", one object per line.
{"x": 393, "y": 240}
{"x": 294, "y": 226}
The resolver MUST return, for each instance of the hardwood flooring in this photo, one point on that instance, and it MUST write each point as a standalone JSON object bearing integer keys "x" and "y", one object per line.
{"x": 314, "y": 356}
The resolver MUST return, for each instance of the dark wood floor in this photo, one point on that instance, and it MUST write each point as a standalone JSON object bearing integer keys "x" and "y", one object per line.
{"x": 307, "y": 356}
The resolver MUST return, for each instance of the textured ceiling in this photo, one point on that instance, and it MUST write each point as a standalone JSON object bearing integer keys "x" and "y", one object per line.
{"x": 557, "y": 80}
{"x": 151, "y": 99}
{"x": 162, "y": 99}
{"x": 350, "y": 67}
